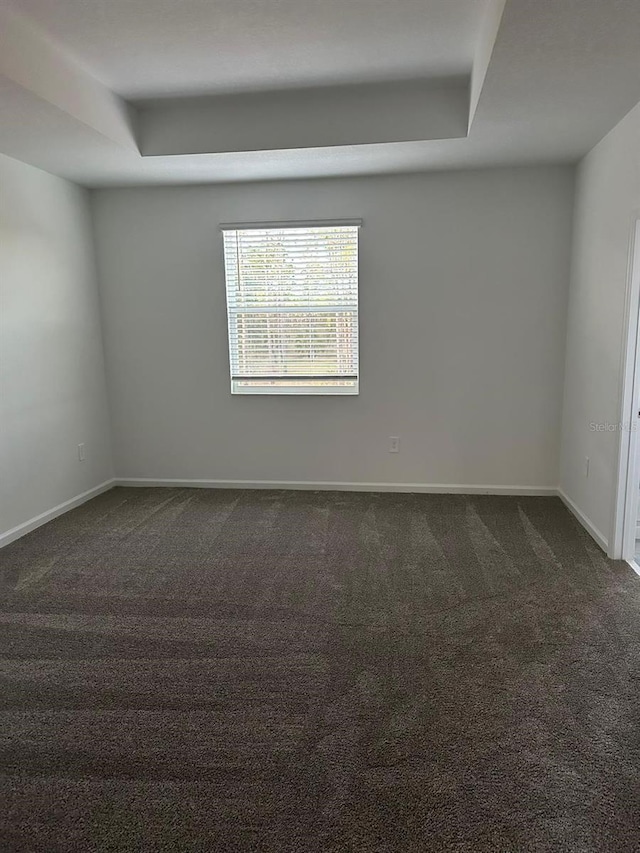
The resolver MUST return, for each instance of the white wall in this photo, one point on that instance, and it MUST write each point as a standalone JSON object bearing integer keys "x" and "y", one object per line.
{"x": 52, "y": 383}
{"x": 607, "y": 203}
{"x": 464, "y": 281}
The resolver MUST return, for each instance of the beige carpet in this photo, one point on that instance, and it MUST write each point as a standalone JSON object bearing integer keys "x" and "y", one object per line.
{"x": 194, "y": 670}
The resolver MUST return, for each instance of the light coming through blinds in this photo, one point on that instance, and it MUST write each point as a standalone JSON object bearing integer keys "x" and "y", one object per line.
{"x": 292, "y": 301}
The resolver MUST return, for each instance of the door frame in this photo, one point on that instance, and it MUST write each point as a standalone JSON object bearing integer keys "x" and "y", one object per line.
{"x": 626, "y": 504}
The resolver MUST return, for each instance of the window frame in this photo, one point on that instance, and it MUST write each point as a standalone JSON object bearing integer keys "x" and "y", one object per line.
{"x": 293, "y": 389}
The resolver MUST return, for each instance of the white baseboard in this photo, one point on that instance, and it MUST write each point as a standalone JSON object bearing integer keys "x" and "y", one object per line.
{"x": 424, "y": 488}
{"x": 634, "y": 565}
{"x": 588, "y": 525}
{"x": 50, "y": 514}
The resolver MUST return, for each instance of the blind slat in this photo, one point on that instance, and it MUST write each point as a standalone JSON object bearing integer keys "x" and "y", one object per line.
{"x": 292, "y": 302}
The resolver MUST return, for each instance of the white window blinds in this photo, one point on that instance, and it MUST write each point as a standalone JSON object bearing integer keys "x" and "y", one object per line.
{"x": 292, "y": 301}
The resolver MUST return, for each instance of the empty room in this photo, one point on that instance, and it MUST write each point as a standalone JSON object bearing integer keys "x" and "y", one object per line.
{"x": 319, "y": 394}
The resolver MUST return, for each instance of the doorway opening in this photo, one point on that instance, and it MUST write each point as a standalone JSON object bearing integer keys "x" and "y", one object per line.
{"x": 626, "y": 528}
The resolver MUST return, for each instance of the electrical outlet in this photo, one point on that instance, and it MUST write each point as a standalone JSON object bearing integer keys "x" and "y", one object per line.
{"x": 81, "y": 452}
{"x": 394, "y": 444}
{"x": 587, "y": 465}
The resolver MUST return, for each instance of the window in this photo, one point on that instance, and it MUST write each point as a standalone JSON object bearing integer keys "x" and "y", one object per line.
{"x": 292, "y": 302}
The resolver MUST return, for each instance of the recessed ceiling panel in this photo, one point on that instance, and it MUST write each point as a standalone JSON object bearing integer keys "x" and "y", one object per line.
{"x": 149, "y": 48}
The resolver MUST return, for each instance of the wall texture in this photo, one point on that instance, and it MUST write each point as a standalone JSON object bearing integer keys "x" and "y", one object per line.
{"x": 463, "y": 291}
{"x": 52, "y": 383}
{"x": 607, "y": 205}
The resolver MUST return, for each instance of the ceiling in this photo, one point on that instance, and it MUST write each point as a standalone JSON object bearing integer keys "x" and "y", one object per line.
{"x": 150, "y": 48}
{"x": 113, "y": 92}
